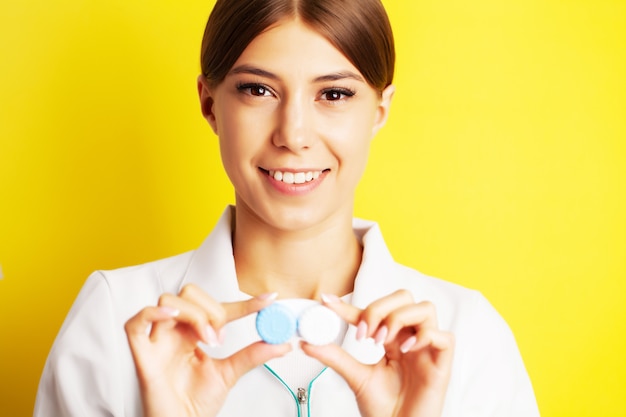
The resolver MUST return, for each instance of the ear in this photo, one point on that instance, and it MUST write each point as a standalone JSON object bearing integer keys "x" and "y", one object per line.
{"x": 382, "y": 113}
{"x": 206, "y": 101}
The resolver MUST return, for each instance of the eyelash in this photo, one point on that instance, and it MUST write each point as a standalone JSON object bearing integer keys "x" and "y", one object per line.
{"x": 344, "y": 93}
{"x": 242, "y": 87}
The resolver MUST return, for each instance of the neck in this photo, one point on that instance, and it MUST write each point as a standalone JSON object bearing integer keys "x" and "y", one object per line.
{"x": 295, "y": 264}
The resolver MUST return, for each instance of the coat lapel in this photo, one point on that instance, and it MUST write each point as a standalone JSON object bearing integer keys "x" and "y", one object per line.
{"x": 213, "y": 266}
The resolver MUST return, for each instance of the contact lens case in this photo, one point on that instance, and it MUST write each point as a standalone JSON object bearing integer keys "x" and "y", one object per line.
{"x": 276, "y": 324}
{"x": 307, "y": 319}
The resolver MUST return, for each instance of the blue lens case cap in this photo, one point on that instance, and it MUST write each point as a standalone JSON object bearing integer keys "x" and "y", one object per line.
{"x": 276, "y": 324}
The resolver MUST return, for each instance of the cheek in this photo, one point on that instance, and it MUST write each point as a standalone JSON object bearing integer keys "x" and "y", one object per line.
{"x": 242, "y": 133}
{"x": 352, "y": 133}
{"x": 243, "y": 137}
{"x": 233, "y": 147}
{"x": 351, "y": 149}
{"x": 353, "y": 144}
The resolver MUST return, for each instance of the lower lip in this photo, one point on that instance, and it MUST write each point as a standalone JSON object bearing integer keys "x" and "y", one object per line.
{"x": 295, "y": 189}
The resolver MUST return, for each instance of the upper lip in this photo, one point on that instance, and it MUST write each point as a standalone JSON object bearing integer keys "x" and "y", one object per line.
{"x": 294, "y": 170}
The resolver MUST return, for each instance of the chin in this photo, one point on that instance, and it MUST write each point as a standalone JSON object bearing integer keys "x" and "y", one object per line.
{"x": 292, "y": 215}
{"x": 293, "y": 220}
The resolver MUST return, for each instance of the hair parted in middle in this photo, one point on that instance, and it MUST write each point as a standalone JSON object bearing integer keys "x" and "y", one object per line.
{"x": 360, "y": 29}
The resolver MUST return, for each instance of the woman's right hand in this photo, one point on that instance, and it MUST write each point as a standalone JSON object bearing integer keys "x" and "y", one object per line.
{"x": 176, "y": 377}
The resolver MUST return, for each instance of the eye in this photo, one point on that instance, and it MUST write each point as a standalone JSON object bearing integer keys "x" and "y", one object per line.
{"x": 336, "y": 94}
{"x": 254, "y": 89}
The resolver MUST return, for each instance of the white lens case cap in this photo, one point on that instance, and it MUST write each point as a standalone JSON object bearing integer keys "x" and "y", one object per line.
{"x": 319, "y": 325}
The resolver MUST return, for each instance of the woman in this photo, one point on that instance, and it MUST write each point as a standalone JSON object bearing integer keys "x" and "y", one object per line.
{"x": 295, "y": 91}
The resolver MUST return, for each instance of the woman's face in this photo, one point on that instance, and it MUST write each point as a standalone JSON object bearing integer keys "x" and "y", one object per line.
{"x": 295, "y": 119}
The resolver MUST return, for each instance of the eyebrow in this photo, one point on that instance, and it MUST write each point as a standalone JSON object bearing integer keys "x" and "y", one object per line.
{"x": 339, "y": 76}
{"x": 335, "y": 76}
{"x": 247, "y": 69}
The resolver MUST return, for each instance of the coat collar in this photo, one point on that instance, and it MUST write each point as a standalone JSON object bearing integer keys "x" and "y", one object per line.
{"x": 212, "y": 268}
{"x": 370, "y": 284}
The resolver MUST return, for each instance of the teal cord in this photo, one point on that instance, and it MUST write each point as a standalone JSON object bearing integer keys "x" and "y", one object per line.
{"x": 286, "y": 386}
{"x": 295, "y": 398}
{"x": 310, "y": 387}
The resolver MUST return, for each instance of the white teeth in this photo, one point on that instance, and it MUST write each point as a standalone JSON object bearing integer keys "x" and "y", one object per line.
{"x": 299, "y": 178}
{"x": 295, "y": 177}
{"x": 288, "y": 177}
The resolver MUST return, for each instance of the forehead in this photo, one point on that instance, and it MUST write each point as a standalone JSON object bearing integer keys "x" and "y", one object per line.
{"x": 291, "y": 47}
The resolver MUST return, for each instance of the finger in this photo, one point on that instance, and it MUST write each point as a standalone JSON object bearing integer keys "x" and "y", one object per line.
{"x": 137, "y": 327}
{"x": 347, "y": 312}
{"x": 415, "y": 316}
{"x": 355, "y": 373}
{"x": 239, "y": 309}
{"x": 439, "y": 345}
{"x": 219, "y": 314}
{"x": 378, "y": 311}
{"x": 189, "y": 313}
{"x": 369, "y": 321}
{"x": 432, "y": 338}
{"x": 213, "y": 310}
{"x": 249, "y": 358}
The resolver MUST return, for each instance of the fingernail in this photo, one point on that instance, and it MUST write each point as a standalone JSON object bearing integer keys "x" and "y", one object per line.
{"x": 211, "y": 337}
{"x": 330, "y": 298}
{"x": 221, "y": 334}
{"x": 381, "y": 335}
{"x": 267, "y": 297}
{"x": 361, "y": 330}
{"x": 170, "y": 311}
{"x": 408, "y": 344}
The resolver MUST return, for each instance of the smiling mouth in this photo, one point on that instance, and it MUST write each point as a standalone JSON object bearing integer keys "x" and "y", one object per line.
{"x": 289, "y": 177}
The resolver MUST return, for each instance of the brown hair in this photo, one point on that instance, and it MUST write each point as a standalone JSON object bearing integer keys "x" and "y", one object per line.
{"x": 360, "y": 29}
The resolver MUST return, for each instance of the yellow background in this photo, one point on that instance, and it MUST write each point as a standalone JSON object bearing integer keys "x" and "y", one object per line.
{"x": 502, "y": 168}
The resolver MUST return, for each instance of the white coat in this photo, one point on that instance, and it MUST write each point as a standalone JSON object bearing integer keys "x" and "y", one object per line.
{"x": 90, "y": 372}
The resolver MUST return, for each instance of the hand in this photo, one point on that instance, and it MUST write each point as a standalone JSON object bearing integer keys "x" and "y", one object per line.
{"x": 412, "y": 378}
{"x": 176, "y": 377}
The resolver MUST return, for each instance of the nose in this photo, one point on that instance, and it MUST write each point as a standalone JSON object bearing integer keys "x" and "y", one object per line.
{"x": 293, "y": 129}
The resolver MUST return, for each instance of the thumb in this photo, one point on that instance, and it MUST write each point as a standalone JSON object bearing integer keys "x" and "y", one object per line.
{"x": 354, "y": 372}
{"x": 250, "y": 357}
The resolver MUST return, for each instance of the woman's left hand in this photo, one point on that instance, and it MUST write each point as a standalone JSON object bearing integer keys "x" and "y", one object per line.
{"x": 412, "y": 378}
